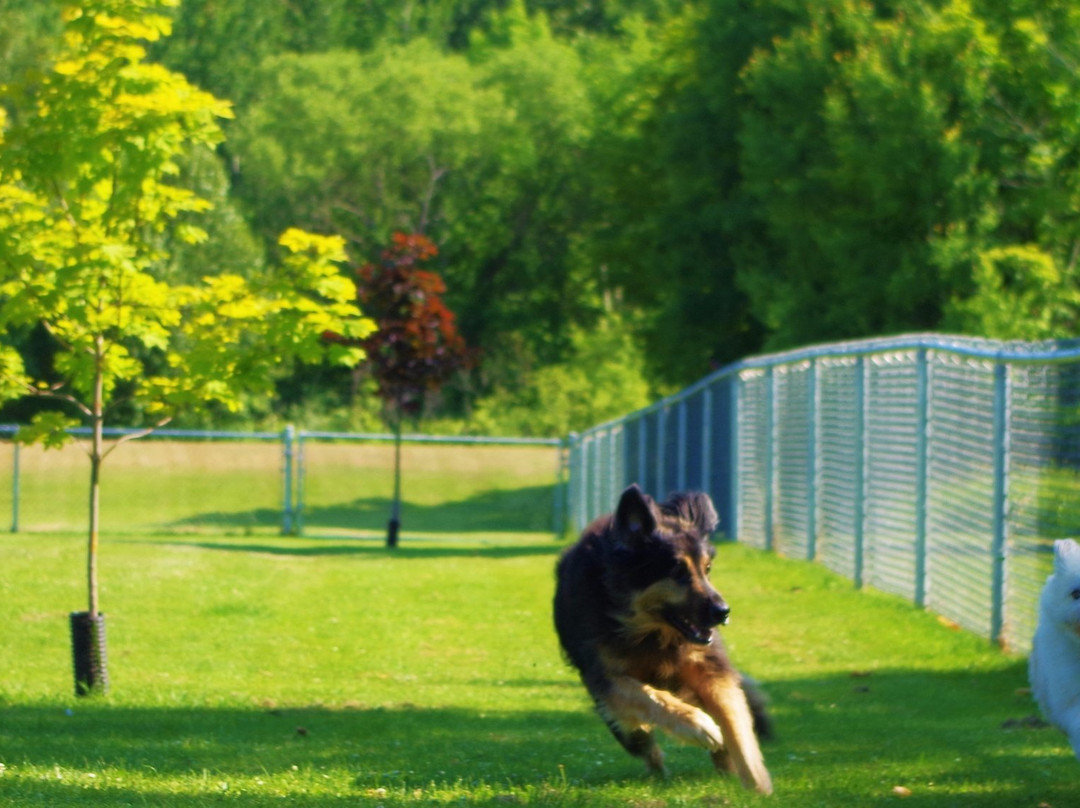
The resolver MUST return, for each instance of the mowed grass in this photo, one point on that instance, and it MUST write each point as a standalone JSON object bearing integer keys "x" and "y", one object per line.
{"x": 263, "y": 670}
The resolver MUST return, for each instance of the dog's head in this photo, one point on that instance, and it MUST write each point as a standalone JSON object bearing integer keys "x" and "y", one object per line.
{"x": 1061, "y": 596}
{"x": 661, "y": 560}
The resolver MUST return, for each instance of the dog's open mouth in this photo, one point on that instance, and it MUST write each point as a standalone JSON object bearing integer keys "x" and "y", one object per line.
{"x": 696, "y": 634}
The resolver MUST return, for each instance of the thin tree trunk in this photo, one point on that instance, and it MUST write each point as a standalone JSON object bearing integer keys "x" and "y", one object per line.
{"x": 395, "y": 507}
{"x": 96, "y": 451}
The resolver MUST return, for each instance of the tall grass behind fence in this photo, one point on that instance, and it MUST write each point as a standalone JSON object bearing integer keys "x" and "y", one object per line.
{"x": 936, "y": 468}
{"x": 290, "y": 481}
{"x": 172, "y": 482}
{"x": 449, "y": 484}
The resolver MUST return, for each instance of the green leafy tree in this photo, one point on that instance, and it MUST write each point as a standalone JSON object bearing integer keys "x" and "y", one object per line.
{"x": 514, "y": 237}
{"x": 86, "y": 197}
{"x": 602, "y": 378}
{"x": 485, "y": 155}
{"x": 362, "y": 144}
{"x": 28, "y": 31}
{"x": 669, "y": 217}
{"x": 853, "y": 156}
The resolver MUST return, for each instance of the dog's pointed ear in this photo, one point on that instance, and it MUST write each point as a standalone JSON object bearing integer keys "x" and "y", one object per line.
{"x": 1066, "y": 555}
{"x": 696, "y": 508}
{"x": 634, "y": 517}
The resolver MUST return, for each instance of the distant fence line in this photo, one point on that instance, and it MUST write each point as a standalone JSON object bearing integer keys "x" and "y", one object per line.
{"x": 291, "y": 503}
{"x": 937, "y": 468}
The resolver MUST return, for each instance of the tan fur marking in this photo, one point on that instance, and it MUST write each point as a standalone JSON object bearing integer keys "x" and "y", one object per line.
{"x": 723, "y": 698}
{"x": 645, "y": 608}
{"x": 633, "y": 704}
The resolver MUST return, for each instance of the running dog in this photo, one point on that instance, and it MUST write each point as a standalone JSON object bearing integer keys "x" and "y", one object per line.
{"x": 636, "y": 615}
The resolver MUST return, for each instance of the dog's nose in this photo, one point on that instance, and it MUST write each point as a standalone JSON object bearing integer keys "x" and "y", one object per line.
{"x": 719, "y": 614}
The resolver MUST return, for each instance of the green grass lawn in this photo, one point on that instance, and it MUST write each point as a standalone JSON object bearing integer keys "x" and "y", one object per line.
{"x": 333, "y": 672}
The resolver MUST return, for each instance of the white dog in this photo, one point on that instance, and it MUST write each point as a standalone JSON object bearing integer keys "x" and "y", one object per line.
{"x": 1054, "y": 666}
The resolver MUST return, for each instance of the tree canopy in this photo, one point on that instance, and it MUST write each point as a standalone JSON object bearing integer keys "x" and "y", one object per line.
{"x": 709, "y": 178}
{"x": 88, "y": 206}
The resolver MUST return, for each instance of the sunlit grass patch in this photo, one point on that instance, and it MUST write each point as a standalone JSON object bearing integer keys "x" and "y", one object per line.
{"x": 336, "y": 672}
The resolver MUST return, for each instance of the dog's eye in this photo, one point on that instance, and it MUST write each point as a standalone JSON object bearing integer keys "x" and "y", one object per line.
{"x": 1075, "y": 594}
{"x": 708, "y": 567}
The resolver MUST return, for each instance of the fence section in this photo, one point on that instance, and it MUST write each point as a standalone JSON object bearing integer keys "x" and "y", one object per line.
{"x": 173, "y": 481}
{"x": 289, "y": 481}
{"x": 940, "y": 469}
{"x": 476, "y": 485}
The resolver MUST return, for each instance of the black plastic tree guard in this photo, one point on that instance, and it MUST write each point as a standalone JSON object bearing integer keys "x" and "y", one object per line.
{"x": 88, "y": 647}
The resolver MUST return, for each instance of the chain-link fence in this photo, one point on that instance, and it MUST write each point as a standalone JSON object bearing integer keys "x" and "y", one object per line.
{"x": 937, "y": 468}
{"x": 291, "y": 481}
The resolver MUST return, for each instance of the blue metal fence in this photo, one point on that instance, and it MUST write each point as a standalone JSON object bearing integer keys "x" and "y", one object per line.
{"x": 291, "y": 480}
{"x": 937, "y": 468}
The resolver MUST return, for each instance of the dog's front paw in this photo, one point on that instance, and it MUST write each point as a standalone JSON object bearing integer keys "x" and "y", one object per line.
{"x": 700, "y": 730}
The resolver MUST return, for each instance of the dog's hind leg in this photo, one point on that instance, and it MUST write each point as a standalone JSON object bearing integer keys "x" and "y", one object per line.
{"x": 721, "y": 694}
{"x": 641, "y": 743}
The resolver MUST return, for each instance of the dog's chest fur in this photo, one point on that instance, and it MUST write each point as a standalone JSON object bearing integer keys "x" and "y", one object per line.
{"x": 656, "y": 659}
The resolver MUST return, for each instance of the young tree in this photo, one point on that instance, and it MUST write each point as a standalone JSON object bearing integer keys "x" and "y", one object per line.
{"x": 415, "y": 347}
{"x": 85, "y": 201}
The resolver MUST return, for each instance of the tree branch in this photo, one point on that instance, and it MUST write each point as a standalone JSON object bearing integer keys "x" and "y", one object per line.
{"x": 142, "y": 433}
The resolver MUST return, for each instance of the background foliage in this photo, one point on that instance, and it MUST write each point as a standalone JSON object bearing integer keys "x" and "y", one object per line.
{"x": 709, "y": 179}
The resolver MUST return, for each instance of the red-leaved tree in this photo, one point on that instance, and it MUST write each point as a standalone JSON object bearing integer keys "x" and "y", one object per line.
{"x": 415, "y": 347}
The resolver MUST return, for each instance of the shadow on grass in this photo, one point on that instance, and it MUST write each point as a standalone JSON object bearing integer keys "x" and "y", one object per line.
{"x": 842, "y": 741}
{"x": 402, "y": 748}
{"x": 376, "y": 548}
{"x": 521, "y": 510}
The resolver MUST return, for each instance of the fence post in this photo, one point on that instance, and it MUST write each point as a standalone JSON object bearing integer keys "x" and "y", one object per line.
{"x": 559, "y": 525}
{"x": 571, "y": 478}
{"x": 643, "y": 448}
{"x": 661, "y": 449}
{"x": 606, "y": 461}
{"x": 770, "y": 460}
{"x": 680, "y": 450}
{"x": 1001, "y": 500}
{"x": 812, "y": 463}
{"x": 733, "y": 461}
{"x": 618, "y": 452}
{"x": 287, "y": 436}
{"x": 706, "y": 441}
{"x": 922, "y": 393}
{"x": 862, "y": 436}
{"x": 585, "y": 464}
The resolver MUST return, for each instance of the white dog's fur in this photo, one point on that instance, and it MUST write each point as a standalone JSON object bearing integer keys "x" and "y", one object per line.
{"x": 1054, "y": 666}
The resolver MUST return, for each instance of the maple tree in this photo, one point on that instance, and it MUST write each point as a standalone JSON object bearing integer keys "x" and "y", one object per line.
{"x": 415, "y": 347}
{"x": 87, "y": 194}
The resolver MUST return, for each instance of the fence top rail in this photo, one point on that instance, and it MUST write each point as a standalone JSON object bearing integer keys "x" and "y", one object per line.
{"x": 412, "y": 438}
{"x": 9, "y": 430}
{"x": 1015, "y": 351}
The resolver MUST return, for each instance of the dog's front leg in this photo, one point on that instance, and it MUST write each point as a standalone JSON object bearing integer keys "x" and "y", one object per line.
{"x": 632, "y": 704}
{"x": 720, "y": 693}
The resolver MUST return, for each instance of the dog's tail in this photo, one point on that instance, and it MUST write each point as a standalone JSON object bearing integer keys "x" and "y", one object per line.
{"x": 759, "y": 702}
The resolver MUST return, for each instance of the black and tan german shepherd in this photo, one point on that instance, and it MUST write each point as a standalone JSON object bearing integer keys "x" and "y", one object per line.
{"x": 636, "y": 615}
